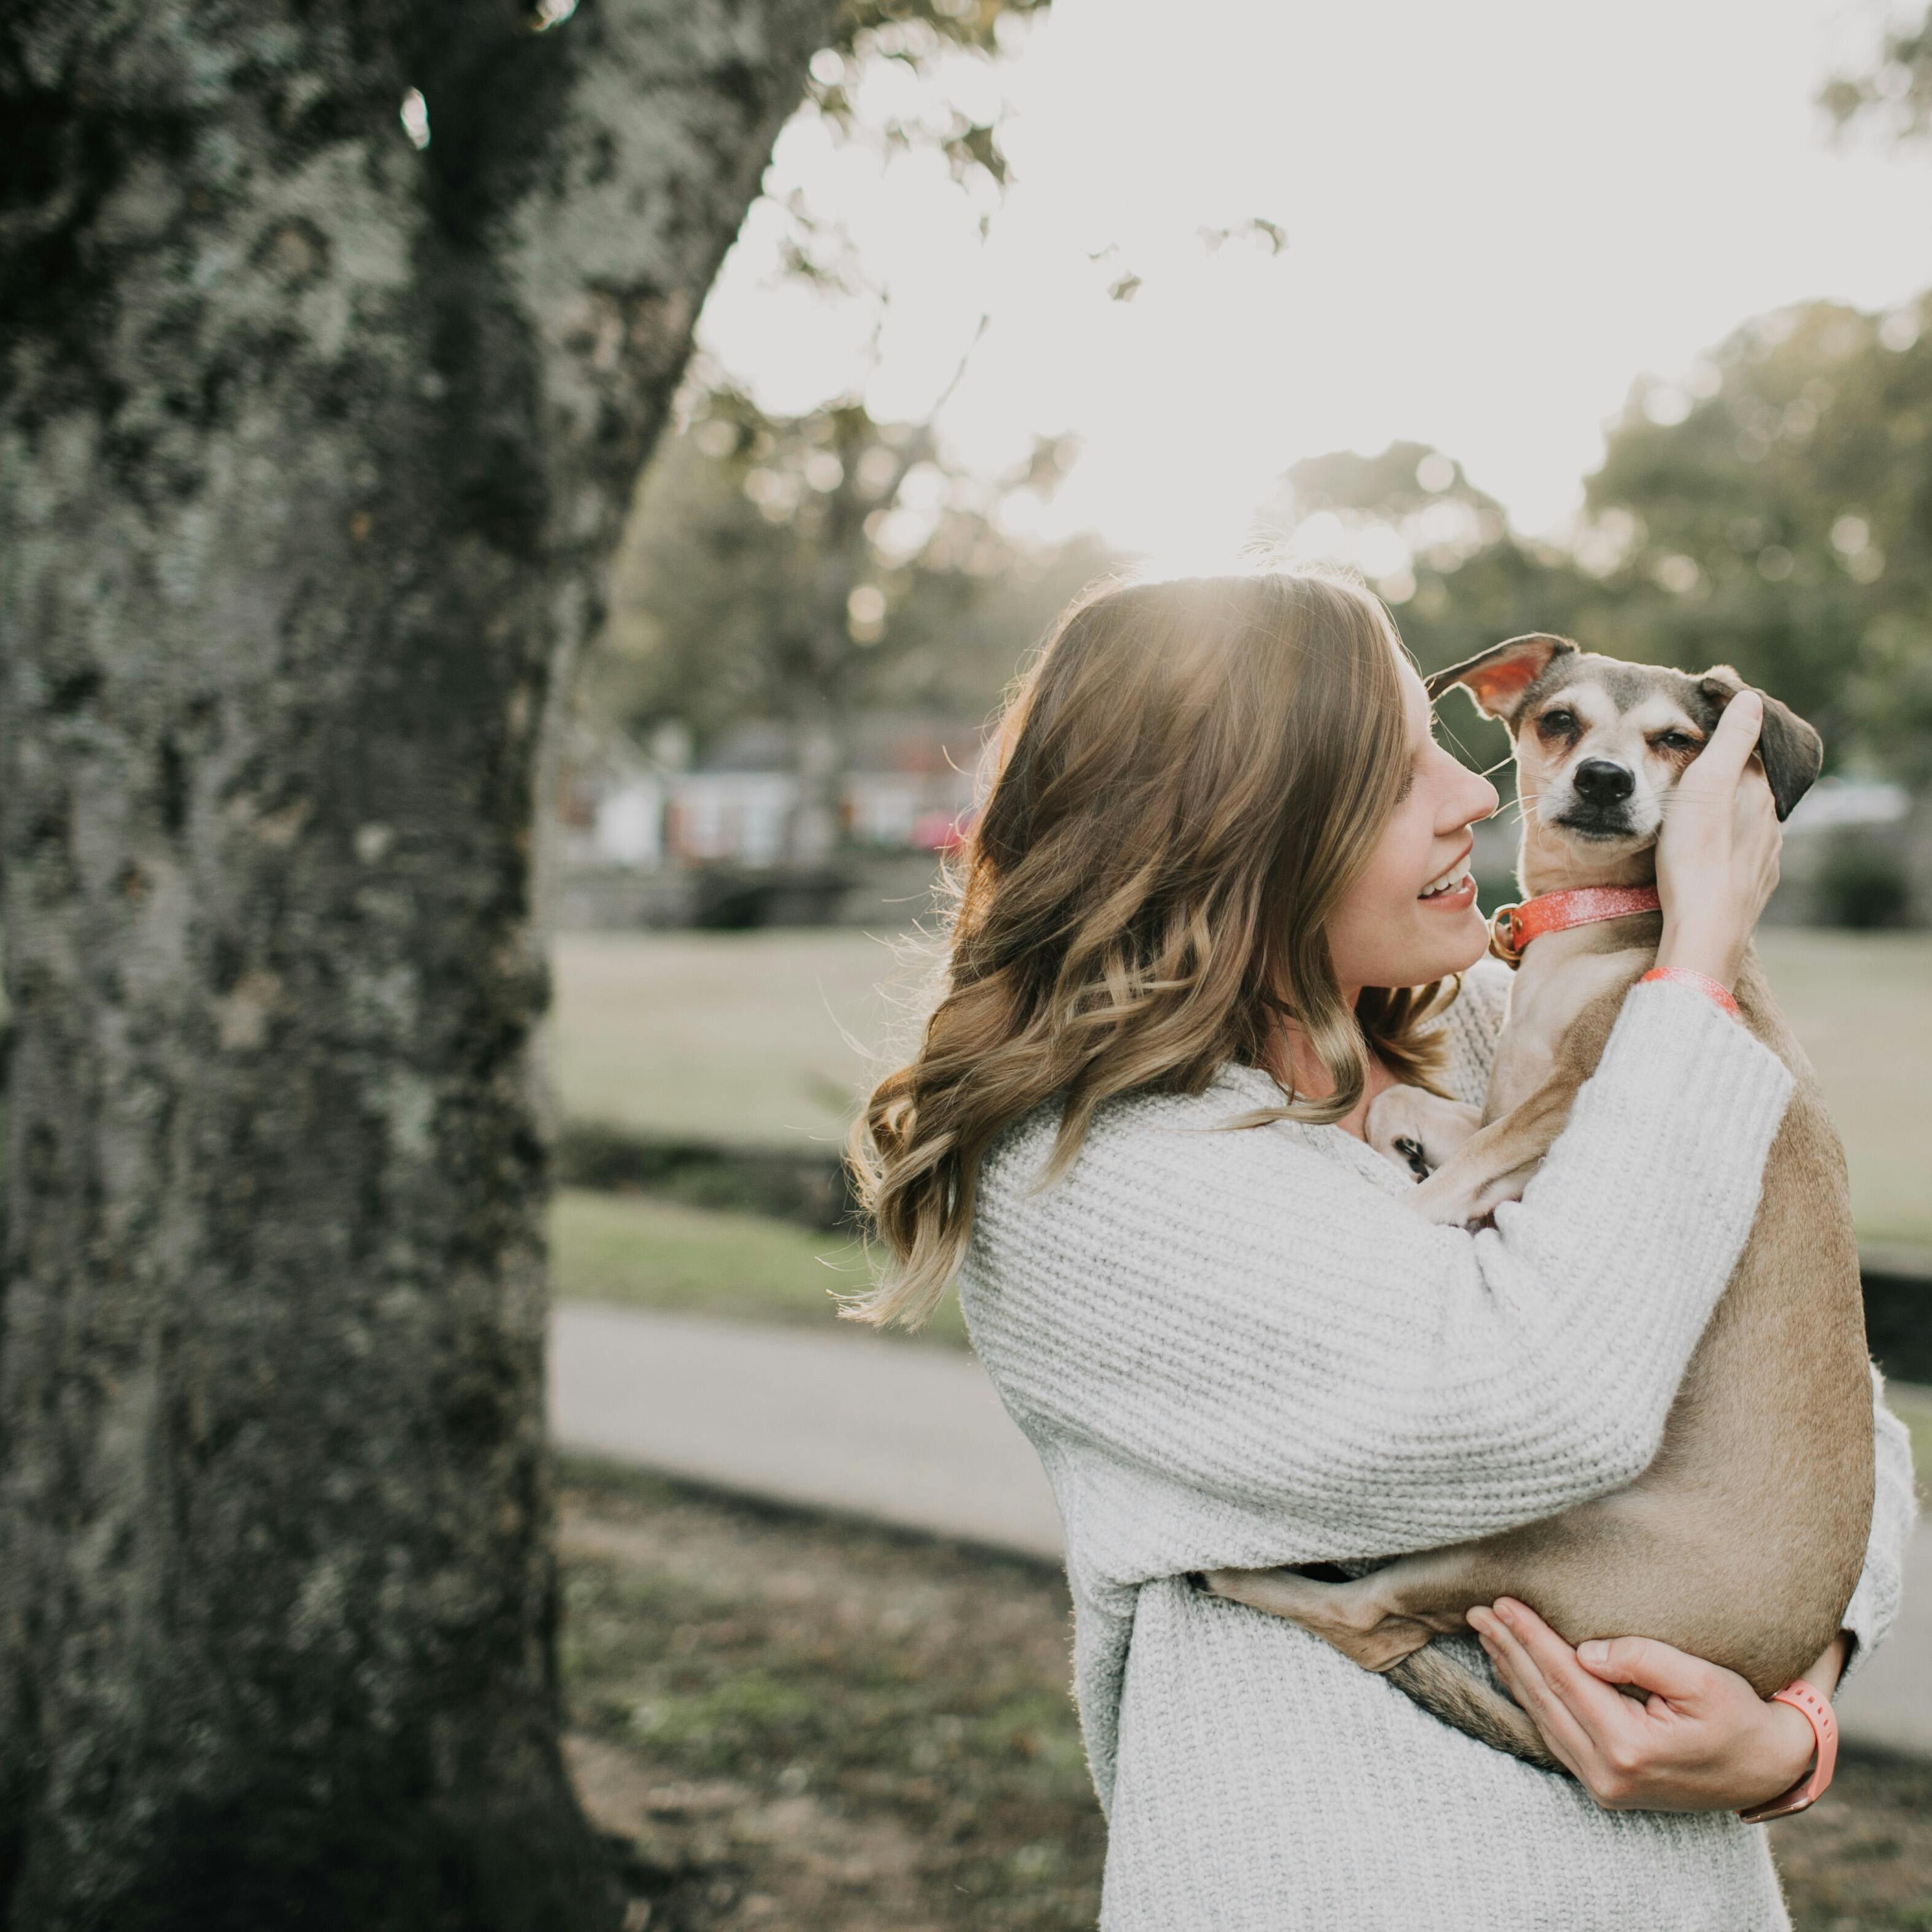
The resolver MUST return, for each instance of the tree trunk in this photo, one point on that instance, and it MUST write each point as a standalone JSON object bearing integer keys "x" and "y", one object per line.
{"x": 314, "y": 446}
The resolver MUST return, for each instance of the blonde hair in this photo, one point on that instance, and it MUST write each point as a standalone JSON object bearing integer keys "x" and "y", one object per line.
{"x": 1185, "y": 780}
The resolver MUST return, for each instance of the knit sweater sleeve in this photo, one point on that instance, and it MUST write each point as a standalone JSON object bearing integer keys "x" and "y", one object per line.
{"x": 1875, "y": 1602}
{"x": 1240, "y": 1318}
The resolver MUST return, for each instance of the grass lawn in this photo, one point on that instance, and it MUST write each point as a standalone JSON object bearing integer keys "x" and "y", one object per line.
{"x": 639, "y": 1251}
{"x": 758, "y": 1036}
{"x": 764, "y": 1037}
{"x": 814, "y": 1727}
{"x": 1861, "y": 1003}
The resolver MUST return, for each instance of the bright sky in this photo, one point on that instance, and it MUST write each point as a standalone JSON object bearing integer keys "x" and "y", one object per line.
{"x": 1499, "y": 214}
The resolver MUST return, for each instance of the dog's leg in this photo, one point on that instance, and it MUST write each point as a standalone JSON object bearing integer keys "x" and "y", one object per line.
{"x": 1494, "y": 1163}
{"x": 1375, "y": 1620}
{"x": 1416, "y": 1130}
{"x": 1357, "y": 1619}
{"x": 1345, "y": 1615}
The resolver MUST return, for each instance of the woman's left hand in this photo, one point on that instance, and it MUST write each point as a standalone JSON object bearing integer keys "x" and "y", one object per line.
{"x": 1703, "y": 1739}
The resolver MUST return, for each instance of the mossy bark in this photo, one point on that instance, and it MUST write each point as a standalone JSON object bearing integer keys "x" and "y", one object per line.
{"x": 313, "y": 445}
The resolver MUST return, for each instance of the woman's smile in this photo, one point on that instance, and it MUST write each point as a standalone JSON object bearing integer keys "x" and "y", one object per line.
{"x": 1454, "y": 890}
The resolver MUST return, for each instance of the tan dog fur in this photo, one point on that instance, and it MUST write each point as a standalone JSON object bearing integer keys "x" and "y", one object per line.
{"x": 1742, "y": 1542}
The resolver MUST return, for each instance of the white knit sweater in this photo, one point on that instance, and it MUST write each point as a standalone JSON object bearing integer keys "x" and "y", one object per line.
{"x": 1234, "y": 1349}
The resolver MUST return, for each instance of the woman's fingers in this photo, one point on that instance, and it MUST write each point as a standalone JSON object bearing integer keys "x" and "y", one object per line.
{"x": 1717, "y": 854}
{"x": 1516, "y": 1670}
{"x": 1566, "y": 1737}
{"x": 1721, "y": 763}
{"x": 1648, "y": 1664}
{"x": 1602, "y": 1712}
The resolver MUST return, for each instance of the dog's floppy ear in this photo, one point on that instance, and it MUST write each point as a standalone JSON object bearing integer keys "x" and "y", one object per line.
{"x": 1497, "y": 678}
{"x": 1792, "y": 753}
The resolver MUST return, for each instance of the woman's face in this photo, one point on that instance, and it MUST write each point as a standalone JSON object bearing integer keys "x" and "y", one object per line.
{"x": 1390, "y": 929}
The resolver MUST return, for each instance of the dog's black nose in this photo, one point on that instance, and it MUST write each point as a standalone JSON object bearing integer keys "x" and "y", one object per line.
{"x": 1599, "y": 782}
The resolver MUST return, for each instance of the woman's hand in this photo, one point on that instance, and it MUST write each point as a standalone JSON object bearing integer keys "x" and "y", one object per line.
{"x": 1716, "y": 856}
{"x": 1702, "y": 1740}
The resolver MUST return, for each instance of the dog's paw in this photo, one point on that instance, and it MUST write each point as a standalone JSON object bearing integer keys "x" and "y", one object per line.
{"x": 1466, "y": 1201}
{"x": 1417, "y": 1131}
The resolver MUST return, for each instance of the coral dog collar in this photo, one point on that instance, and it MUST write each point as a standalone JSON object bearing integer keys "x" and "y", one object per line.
{"x": 1513, "y": 927}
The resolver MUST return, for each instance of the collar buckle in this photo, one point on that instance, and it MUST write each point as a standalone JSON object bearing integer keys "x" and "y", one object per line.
{"x": 1506, "y": 942}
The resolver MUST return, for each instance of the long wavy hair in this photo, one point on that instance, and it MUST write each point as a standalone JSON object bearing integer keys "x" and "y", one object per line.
{"x": 1184, "y": 782}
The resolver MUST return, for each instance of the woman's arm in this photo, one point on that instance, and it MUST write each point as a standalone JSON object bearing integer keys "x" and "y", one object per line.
{"x": 1702, "y": 1740}
{"x": 1247, "y": 1315}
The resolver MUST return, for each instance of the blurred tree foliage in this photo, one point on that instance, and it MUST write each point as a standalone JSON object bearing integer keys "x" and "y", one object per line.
{"x": 789, "y": 567}
{"x": 1437, "y": 546}
{"x": 914, "y": 33}
{"x": 1780, "y": 516}
{"x": 1775, "y": 513}
{"x": 803, "y": 568}
{"x": 937, "y": 40}
{"x": 1891, "y": 96}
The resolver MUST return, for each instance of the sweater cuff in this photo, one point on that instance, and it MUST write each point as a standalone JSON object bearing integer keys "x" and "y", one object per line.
{"x": 1867, "y": 1617}
{"x": 1687, "y": 1046}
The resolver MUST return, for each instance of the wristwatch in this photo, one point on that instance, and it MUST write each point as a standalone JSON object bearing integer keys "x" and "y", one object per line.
{"x": 1816, "y": 1709}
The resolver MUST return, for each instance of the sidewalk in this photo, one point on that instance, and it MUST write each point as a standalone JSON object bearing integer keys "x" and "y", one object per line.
{"x": 915, "y": 1436}
{"x": 851, "y": 1422}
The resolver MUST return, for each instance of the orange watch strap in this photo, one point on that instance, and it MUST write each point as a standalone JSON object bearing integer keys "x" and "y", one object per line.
{"x": 1816, "y": 1708}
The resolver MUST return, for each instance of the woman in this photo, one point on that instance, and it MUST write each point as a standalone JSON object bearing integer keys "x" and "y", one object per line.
{"x": 1206, "y": 891}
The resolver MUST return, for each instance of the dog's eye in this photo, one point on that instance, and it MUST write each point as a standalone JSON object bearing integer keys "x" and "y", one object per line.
{"x": 1674, "y": 741}
{"x": 1558, "y": 720}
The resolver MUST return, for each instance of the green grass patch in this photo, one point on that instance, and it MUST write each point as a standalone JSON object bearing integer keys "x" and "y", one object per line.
{"x": 639, "y": 1251}
{"x": 1861, "y": 1003}
{"x": 865, "y": 1730}
{"x": 804, "y": 1724}
{"x": 767, "y": 1037}
{"x": 771, "y": 1038}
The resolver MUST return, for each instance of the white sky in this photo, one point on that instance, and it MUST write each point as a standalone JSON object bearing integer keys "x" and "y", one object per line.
{"x": 1499, "y": 214}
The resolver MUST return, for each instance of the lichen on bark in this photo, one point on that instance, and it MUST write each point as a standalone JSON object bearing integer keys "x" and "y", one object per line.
{"x": 313, "y": 447}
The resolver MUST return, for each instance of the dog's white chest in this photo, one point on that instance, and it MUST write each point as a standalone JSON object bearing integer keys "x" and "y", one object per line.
{"x": 1560, "y": 975}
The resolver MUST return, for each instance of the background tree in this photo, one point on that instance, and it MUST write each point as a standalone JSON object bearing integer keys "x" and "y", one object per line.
{"x": 797, "y": 569}
{"x": 1439, "y": 546}
{"x": 1776, "y": 513}
{"x": 1781, "y": 518}
{"x": 317, "y": 427}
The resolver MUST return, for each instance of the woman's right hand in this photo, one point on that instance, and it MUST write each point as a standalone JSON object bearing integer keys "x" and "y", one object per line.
{"x": 1716, "y": 856}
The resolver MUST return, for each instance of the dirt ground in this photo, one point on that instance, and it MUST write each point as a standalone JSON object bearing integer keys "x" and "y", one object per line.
{"x": 794, "y": 1725}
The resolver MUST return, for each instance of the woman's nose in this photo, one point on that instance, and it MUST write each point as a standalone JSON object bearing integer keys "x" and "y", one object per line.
{"x": 1483, "y": 800}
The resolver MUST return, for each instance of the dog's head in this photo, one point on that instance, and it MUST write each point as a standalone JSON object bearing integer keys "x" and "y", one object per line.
{"x": 1600, "y": 745}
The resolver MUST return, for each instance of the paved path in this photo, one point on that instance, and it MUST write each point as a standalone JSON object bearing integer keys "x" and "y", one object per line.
{"x": 902, "y": 1433}
{"x": 915, "y": 1436}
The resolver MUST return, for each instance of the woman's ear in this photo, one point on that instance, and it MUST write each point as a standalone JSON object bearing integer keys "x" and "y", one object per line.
{"x": 1499, "y": 679}
{"x": 1792, "y": 753}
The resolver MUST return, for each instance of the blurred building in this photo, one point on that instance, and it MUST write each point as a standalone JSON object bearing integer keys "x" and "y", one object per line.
{"x": 648, "y": 835}
{"x": 911, "y": 779}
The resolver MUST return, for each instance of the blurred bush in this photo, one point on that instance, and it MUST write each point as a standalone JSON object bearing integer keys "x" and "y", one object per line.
{"x": 1862, "y": 882}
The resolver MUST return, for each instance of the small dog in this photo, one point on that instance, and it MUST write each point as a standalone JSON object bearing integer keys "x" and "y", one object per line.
{"x": 1742, "y": 1542}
